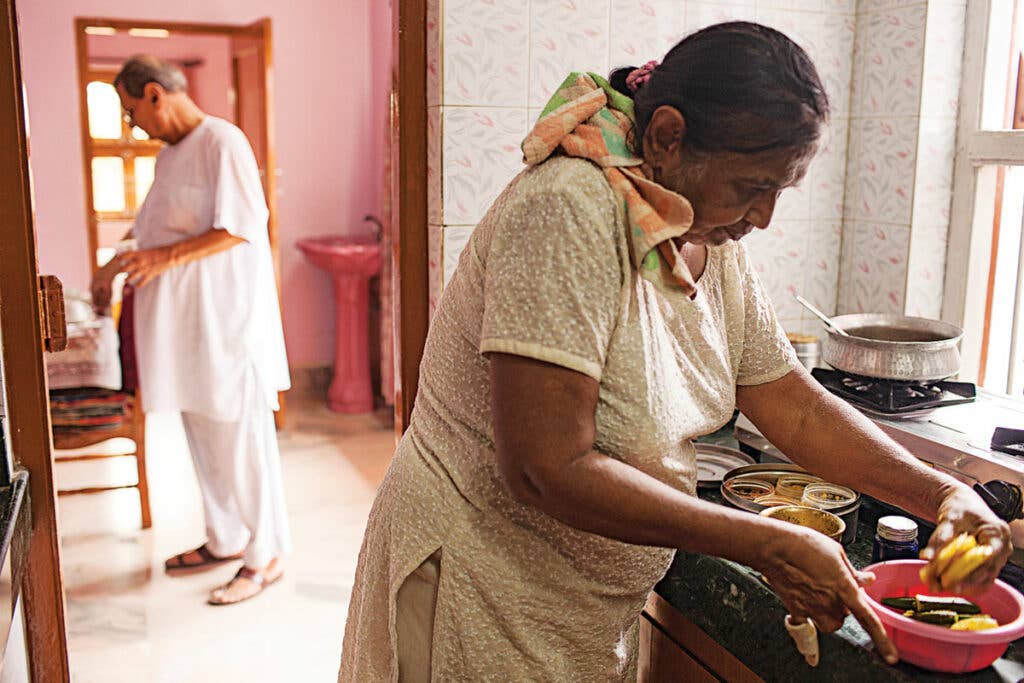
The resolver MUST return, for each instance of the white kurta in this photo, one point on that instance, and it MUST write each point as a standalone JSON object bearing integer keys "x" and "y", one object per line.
{"x": 201, "y": 326}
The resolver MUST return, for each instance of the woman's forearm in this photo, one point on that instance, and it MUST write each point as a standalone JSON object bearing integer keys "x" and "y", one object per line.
{"x": 830, "y": 438}
{"x": 605, "y": 496}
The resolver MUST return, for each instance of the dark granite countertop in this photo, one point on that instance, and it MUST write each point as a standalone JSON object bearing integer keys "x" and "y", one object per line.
{"x": 730, "y": 603}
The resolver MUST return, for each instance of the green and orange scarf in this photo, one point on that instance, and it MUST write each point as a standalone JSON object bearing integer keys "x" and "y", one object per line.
{"x": 589, "y": 119}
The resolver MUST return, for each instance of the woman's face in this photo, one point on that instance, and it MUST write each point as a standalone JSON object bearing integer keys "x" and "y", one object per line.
{"x": 731, "y": 193}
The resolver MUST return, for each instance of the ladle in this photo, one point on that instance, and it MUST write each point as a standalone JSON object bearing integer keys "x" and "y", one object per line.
{"x": 821, "y": 316}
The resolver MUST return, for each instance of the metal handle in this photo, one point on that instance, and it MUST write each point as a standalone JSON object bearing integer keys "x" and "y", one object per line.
{"x": 821, "y": 316}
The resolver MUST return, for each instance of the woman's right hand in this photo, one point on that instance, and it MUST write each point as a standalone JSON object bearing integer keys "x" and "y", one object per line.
{"x": 813, "y": 577}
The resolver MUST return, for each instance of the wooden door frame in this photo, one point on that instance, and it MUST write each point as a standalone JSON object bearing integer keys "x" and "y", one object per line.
{"x": 411, "y": 300}
{"x": 42, "y": 584}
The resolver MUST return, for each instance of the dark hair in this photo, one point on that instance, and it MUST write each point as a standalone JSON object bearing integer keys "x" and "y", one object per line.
{"x": 143, "y": 69}
{"x": 741, "y": 87}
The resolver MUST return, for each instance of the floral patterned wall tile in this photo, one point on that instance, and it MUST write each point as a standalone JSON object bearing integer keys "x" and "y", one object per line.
{"x": 839, "y": 6}
{"x": 565, "y": 36}
{"x": 933, "y": 183}
{"x": 943, "y": 59}
{"x": 481, "y": 155}
{"x": 821, "y": 264}
{"x": 880, "y": 169}
{"x": 826, "y": 177}
{"x": 865, "y": 6}
{"x": 435, "y": 213}
{"x": 880, "y": 255}
{"x": 891, "y": 56}
{"x": 927, "y": 266}
{"x": 455, "y": 238}
{"x": 701, "y": 14}
{"x": 435, "y": 270}
{"x": 779, "y": 257}
{"x": 485, "y": 48}
{"x": 644, "y": 30}
{"x": 434, "y": 62}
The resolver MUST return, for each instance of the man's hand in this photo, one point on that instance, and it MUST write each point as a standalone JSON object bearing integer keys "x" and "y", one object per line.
{"x": 144, "y": 265}
{"x": 101, "y": 286}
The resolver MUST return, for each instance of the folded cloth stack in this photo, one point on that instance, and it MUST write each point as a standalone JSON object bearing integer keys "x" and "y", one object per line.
{"x": 88, "y": 409}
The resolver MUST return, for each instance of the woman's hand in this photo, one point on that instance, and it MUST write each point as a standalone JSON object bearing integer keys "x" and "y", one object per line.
{"x": 144, "y": 265}
{"x": 962, "y": 511}
{"x": 813, "y": 577}
{"x": 102, "y": 285}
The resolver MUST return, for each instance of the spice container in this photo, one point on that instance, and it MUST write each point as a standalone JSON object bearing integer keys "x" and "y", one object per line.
{"x": 895, "y": 539}
{"x": 792, "y": 486}
{"x": 827, "y": 496}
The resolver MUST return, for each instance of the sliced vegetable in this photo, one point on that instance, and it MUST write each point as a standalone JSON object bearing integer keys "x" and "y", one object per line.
{"x": 940, "y": 617}
{"x": 951, "y": 550}
{"x": 901, "y": 604}
{"x": 965, "y": 563}
{"x": 927, "y": 603}
{"x": 982, "y": 622}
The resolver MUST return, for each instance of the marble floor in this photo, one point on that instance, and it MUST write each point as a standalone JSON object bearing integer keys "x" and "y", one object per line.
{"x": 128, "y": 621}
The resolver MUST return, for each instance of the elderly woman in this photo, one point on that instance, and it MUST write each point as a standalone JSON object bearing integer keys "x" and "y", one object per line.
{"x": 207, "y": 323}
{"x": 603, "y": 315}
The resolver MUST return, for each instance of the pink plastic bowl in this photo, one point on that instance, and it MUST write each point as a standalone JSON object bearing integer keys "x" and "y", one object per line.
{"x": 935, "y": 647}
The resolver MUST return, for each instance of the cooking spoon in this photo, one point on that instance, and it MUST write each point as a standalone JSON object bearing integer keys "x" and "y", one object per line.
{"x": 821, "y": 316}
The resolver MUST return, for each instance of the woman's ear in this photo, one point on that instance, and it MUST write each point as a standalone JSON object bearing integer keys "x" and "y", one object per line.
{"x": 663, "y": 137}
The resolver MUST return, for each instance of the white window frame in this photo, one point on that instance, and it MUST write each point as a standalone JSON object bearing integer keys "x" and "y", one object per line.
{"x": 970, "y": 226}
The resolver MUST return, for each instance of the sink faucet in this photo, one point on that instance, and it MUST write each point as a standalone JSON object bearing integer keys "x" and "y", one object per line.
{"x": 378, "y": 226}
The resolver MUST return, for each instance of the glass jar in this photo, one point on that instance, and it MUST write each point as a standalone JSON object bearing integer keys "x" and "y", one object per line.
{"x": 895, "y": 539}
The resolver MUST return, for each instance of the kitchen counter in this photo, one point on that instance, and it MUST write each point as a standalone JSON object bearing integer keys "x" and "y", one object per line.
{"x": 733, "y": 607}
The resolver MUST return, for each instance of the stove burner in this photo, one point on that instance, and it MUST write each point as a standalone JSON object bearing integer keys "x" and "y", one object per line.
{"x": 894, "y": 397}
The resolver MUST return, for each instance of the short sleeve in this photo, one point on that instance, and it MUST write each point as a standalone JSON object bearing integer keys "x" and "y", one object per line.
{"x": 553, "y": 274}
{"x": 238, "y": 202}
{"x": 767, "y": 353}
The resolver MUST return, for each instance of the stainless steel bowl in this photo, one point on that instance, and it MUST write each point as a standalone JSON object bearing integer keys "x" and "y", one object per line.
{"x": 894, "y": 347}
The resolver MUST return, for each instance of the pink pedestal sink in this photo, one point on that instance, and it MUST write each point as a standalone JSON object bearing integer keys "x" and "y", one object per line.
{"x": 351, "y": 262}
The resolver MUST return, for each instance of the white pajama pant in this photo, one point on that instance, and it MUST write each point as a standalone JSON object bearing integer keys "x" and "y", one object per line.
{"x": 238, "y": 466}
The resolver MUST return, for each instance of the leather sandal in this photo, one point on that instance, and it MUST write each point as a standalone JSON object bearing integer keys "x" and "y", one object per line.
{"x": 178, "y": 564}
{"x": 257, "y": 577}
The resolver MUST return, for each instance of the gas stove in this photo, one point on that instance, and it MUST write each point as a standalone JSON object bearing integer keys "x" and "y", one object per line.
{"x": 894, "y": 398}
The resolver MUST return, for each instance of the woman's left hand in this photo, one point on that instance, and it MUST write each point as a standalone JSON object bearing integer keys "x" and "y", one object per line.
{"x": 963, "y": 511}
{"x": 144, "y": 265}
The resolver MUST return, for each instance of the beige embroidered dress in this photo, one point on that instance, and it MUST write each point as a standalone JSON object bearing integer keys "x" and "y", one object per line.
{"x": 548, "y": 274}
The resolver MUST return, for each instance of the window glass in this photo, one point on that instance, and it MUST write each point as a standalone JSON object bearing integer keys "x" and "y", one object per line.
{"x": 1003, "y": 85}
{"x": 144, "y": 171}
{"x": 139, "y": 134}
{"x": 104, "y": 111}
{"x": 108, "y": 184}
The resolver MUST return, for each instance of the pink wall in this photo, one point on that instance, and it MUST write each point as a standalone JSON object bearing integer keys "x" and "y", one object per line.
{"x": 330, "y": 61}
{"x": 209, "y": 80}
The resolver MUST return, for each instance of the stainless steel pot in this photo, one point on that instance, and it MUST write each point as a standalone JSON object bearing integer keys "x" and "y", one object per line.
{"x": 893, "y": 347}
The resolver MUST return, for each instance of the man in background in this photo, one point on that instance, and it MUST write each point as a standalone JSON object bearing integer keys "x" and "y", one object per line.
{"x": 208, "y": 334}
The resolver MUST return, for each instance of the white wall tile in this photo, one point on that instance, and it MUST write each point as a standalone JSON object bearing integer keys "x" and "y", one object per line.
{"x": 926, "y": 270}
{"x": 892, "y": 54}
{"x": 701, "y": 14}
{"x": 455, "y": 238}
{"x": 821, "y": 264}
{"x": 826, "y": 177}
{"x": 565, "y": 36}
{"x": 879, "y": 268}
{"x": 943, "y": 59}
{"x": 485, "y": 48}
{"x": 933, "y": 182}
{"x": 435, "y": 271}
{"x": 880, "y": 170}
{"x": 435, "y": 207}
{"x": 779, "y": 257}
{"x": 644, "y": 30}
{"x": 434, "y": 50}
{"x": 481, "y": 155}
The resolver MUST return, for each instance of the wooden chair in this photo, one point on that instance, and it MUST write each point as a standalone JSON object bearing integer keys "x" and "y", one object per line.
{"x": 134, "y": 428}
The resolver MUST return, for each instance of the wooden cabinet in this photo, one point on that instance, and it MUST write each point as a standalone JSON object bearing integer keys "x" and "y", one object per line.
{"x": 673, "y": 648}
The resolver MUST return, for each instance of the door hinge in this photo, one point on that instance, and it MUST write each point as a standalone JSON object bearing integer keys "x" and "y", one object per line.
{"x": 51, "y": 313}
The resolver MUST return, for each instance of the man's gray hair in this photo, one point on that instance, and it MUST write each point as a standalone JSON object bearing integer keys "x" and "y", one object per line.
{"x": 143, "y": 69}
